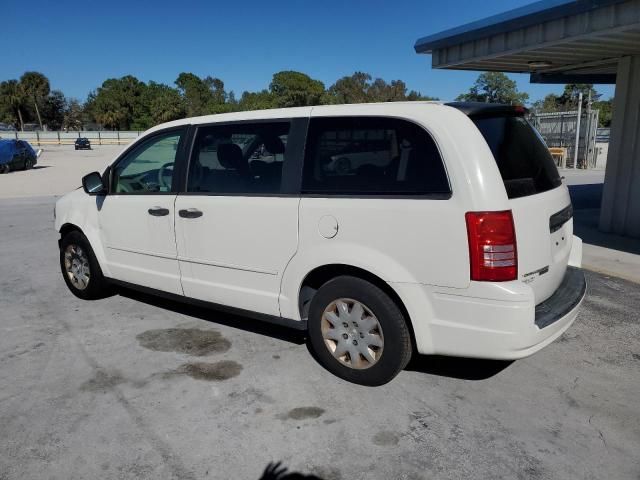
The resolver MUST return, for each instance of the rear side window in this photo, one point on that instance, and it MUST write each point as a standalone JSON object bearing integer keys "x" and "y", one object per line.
{"x": 241, "y": 158}
{"x": 525, "y": 164}
{"x": 371, "y": 156}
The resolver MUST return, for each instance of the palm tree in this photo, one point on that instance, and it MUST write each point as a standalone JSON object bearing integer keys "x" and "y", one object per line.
{"x": 35, "y": 86}
{"x": 14, "y": 96}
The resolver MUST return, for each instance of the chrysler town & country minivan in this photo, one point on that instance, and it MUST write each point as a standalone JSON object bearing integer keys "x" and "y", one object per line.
{"x": 454, "y": 238}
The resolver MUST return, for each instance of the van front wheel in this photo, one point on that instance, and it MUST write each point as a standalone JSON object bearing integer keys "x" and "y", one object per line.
{"x": 80, "y": 268}
{"x": 357, "y": 332}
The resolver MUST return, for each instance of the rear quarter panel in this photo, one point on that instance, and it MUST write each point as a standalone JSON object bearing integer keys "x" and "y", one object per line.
{"x": 403, "y": 240}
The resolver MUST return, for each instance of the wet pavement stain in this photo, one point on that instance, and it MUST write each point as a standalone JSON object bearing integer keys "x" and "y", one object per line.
{"x": 192, "y": 341}
{"x": 302, "y": 413}
{"x": 216, "y": 372}
{"x": 102, "y": 381}
{"x": 386, "y": 439}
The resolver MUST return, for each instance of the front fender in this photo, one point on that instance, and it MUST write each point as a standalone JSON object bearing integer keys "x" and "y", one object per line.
{"x": 81, "y": 211}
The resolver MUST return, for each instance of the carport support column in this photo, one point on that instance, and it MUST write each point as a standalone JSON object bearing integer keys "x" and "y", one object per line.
{"x": 620, "y": 211}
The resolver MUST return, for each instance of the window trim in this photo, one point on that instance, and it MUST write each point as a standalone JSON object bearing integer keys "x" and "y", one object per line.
{"x": 402, "y": 196}
{"x": 182, "y": 129}
{"x": 291, "y": 179}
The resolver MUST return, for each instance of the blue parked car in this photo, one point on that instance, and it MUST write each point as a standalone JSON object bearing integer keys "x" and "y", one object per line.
{"x": 16, "y": 155}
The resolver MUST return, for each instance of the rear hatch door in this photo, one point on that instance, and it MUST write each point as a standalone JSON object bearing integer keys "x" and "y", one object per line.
{"x": 540, "y": 202}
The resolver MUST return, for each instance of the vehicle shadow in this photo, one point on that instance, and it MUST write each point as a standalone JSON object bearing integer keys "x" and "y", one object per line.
{"x": 457, "y": 367}
{"x": 38, "y": 167}
{"x": 452, "y": 367}
{"x": 216, "y": 316}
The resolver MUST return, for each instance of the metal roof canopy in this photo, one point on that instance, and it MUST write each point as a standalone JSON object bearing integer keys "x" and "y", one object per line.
{"x": 557, "y": 41}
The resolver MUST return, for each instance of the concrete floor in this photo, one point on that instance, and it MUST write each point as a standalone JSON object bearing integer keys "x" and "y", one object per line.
{"x": 136, "y": 387}
{"x": 59, "y": 170}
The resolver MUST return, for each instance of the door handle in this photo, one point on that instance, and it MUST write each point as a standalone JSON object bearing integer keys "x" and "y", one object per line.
{"x": 190, "y": 213}
{"x": 158, "y": 211}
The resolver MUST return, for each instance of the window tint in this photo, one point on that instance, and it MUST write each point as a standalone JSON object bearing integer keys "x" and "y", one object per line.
{"x": 372, "y": 156}
{"x": 149, "y": 167}
{"x": 523, "y": 158}
{"x": 240, "y": 158}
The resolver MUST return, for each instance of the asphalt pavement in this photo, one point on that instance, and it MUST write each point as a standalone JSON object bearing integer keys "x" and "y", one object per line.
{"x": 138, "y": 387}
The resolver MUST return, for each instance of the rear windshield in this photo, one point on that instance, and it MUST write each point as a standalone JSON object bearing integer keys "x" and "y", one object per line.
{"x": 525, "y": 163}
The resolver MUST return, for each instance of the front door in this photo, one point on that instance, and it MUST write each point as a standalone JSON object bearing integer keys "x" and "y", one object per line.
{"x": 235, "y": 228}
{"x": 137, "y": 217}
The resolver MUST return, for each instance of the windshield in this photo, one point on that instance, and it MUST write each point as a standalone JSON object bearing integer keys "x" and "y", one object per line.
{"x": 525, "y": 164}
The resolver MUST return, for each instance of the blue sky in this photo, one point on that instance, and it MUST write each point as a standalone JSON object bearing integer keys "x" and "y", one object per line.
{"x": 78, "y": 45}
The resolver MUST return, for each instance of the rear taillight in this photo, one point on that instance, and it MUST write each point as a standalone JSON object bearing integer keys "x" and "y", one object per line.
{"x": 492, "y": 246}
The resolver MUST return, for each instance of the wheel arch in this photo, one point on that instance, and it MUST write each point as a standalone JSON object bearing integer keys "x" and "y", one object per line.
{"x": 67, "y": 228}
{"x": 320, "y": 275}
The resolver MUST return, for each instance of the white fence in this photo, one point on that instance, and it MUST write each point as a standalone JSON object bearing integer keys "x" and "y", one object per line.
{"x": 68, "y": 138}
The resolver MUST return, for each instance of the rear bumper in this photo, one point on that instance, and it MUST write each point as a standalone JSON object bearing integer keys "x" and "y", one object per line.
{"x": 492, "y": 320}
{"x": 566, "y": 298}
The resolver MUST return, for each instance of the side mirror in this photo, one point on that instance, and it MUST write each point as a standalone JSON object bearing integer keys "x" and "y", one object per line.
{"x": 93, "y": 185}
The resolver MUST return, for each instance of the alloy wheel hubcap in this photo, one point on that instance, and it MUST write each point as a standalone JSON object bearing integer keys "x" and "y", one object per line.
{"x": 76, "y": 264}
{"x": 352, "y": 333}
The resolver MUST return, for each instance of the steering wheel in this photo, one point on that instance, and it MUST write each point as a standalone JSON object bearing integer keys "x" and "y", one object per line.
{"x": 166, "y": 169}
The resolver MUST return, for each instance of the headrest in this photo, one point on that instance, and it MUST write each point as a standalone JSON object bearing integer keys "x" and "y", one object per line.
{"x": 208, "y": 141}
{"x": 273, "y": 145}
{"x": 230, "y": 156}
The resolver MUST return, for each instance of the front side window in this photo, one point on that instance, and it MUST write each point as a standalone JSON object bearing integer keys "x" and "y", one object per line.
{"x": 148, "y": 168}
{"x": 243, "y": 158}
{"x": 371, "y": 156}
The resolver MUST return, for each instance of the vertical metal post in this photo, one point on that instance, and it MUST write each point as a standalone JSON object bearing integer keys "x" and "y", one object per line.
{"x": 58, "y": 132}
{"x": 38, "y": 137}
{"x": 575, "y": 153}
{"x": 99, "y": 139}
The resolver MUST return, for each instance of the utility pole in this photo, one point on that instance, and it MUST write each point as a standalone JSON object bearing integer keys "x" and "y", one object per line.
{"x": 575, "y": 152}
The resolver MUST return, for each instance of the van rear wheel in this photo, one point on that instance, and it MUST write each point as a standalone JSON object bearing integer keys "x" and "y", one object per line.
{"x": 357, "y": 332}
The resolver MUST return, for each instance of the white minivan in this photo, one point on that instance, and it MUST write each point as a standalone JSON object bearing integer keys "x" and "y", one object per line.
{"x": 455, "y": 239}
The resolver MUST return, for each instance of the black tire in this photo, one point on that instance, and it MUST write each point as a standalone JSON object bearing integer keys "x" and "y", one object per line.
{"x": 96, "y": 286}
{"x": 28, "y": 163}
{"x": 397, "y": 346}
{"x": 5, "y": 168}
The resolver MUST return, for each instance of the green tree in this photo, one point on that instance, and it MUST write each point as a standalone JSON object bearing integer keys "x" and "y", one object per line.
{"x": 201, "y": 96}
{"x": 550, "y": 103}
{"x": 165, "y": 103}
{"x": 73, "y": 115}
{"x": 571, "y": 94}
{"x": 494, "y": 87}
{"x": 53, "y": 108}
{"x": 568, "y": 101}
{"x": 257, "y": 100}
{"x": 605, "y": 114}
{"x": 349, "y": 89}
{"x": 36, "y": 87}
{"x": 358, "y": 88}
{"x": 117, "y": 102}
{"x": 295, "y": 89}
{"x": 12, "y": 100}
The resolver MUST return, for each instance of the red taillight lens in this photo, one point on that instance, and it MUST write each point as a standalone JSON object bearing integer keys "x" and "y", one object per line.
{"x": 492, "y": 246}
